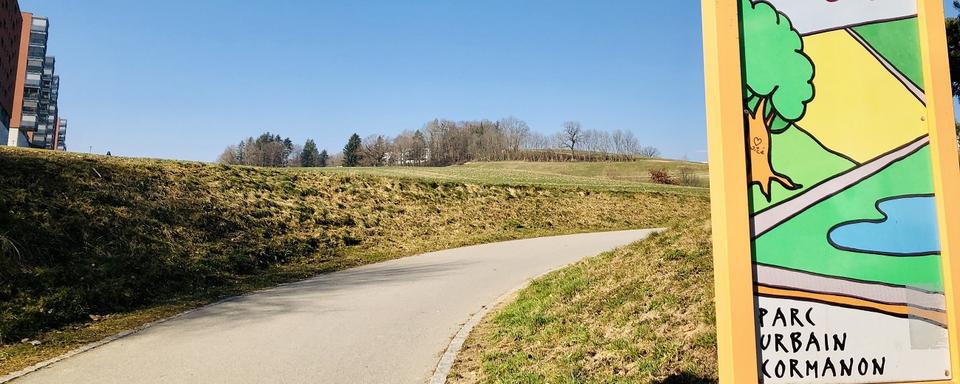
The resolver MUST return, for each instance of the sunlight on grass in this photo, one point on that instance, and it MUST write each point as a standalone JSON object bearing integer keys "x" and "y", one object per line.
{"x": 129, "y": 241}
{"x": 641, "y": 314}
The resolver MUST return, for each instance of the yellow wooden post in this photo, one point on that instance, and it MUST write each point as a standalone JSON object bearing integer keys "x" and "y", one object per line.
{"x": 946, "y": 169}
{"x": 733, "y": 274}
{"x": 733, "y": 268}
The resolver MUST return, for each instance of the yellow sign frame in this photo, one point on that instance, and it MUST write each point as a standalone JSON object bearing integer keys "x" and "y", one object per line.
{"x": 733, "y": 273}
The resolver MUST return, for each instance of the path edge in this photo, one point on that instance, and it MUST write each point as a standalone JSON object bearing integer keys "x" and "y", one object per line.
{"x": 8, "y": 378}
{"x": 475, "y": 318}
{"x": 449, "y": 357}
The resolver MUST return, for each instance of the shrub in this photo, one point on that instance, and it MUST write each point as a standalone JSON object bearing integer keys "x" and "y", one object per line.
{"x": 661, "y": 176}
{"x": 687, "y": 177}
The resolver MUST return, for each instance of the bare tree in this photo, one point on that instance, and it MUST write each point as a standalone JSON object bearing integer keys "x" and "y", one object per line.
{"x": 374, "y": 151}
{"x": 230, "y": 155}
{"x": 596, "y": 141}
{"x": 571, "y": 136}
{"x": 399, "y": 152}
{"x": 335, "y": 160}
{"x": 517, "y": 133}
{"x": 618, "y": 139}
{"x": 649, "y": 152}
{"x": 419, "y": 151}
{"x": 444, "y": 142}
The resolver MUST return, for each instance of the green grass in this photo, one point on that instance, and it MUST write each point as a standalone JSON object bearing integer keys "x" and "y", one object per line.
{"x": 796, "y": 154}
{"x": 620, "y": 176}
{"x": 909, "y": 176}
{"x": 641, "y": 314}
{"x": 898, "y": 41}
{"x": 136, "y": 240}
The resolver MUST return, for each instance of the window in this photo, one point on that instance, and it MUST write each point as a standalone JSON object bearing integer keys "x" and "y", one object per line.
{"x": 38, "y": 38}
{"x": 35, "y": 51}
{"x": 33, "y": 80}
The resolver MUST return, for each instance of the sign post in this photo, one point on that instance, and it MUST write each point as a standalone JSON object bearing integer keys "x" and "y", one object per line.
{"x": 835, "y": 191}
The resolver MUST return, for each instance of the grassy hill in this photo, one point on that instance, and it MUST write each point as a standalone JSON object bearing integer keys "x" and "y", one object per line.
{"x": 641, "y": 314}
{"x": 620, "y": 176}
{"x": 96, "y": 245}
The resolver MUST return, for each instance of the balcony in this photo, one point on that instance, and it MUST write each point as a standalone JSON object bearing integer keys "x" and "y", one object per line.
{"x": 28, "y": 122}
{"x": 38, "y": 39}
{"x": 40, "y": 24}
{"x": 33, "y": 80}
{"x": 36, "y": 52}
{"x": 34, "y": 65}
{"x": 49, "y": 65}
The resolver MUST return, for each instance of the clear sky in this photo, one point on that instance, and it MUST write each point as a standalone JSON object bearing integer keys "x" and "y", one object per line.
{"x": 182, "y": 79}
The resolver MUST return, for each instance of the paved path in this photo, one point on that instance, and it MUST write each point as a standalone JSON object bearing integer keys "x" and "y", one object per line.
{"x": 383, "y": 323}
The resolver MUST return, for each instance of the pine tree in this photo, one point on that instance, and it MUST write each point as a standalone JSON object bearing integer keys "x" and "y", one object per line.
{"x": 351, "y": 152}
{"x": 324, "y": 159}
{"x": 309, "y": 157}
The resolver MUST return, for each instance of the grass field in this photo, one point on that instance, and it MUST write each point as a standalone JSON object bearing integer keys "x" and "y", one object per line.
{"x": 621, "y": 176}
{"x": 125, "y": 241}
{"x": 641, "y": 314}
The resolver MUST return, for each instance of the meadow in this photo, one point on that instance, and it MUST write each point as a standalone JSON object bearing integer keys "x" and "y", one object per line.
{"x": 615, "y": 176}
{"x": 98, "y": 245}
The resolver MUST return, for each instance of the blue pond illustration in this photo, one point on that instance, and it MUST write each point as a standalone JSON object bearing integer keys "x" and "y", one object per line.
{"x": 910, "y": 228}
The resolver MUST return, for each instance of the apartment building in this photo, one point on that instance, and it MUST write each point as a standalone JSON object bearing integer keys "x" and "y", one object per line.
{"x": 30, "y": 114}
{"x": 60, "y": 135}
{"x": 11, "y": 23}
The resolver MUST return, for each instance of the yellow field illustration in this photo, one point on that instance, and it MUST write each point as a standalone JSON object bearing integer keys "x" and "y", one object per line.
{"x": 845, "y": 118}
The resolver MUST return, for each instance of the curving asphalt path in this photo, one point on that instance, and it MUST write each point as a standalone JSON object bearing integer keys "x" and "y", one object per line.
{"x": 382, "y": 323}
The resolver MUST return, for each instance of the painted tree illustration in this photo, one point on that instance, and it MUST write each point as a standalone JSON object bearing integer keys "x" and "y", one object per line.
{"x": 778, "y": 86}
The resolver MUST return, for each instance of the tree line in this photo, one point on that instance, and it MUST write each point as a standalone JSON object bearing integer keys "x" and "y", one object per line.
{"x": 268, "y": 150}
{"x": 443, "y": 142}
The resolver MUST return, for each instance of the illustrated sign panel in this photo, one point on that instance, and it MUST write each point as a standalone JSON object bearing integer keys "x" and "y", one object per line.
{"x": 845, "y": 242}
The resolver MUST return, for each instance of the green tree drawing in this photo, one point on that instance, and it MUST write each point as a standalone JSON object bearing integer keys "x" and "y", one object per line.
{"x": 778, "y": 85}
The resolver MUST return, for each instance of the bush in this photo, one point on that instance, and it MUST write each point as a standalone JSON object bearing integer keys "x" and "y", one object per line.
{"x": 661, "y": 176}
{"x": 687, "y": 177}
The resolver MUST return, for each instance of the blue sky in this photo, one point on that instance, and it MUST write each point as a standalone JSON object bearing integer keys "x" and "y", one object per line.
{"x": 183, "y": 79}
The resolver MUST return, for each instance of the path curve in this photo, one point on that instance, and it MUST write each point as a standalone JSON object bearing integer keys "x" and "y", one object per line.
{"x": 382, "y": 323}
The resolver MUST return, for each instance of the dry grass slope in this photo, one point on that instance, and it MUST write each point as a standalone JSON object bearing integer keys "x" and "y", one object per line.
{"x": 620, "y": 176}
{"x": 642, "y": 314}
{"x": 138, "y": 240}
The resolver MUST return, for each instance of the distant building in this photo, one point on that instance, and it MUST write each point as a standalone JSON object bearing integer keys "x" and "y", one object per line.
{"x": 11, "y": 24}
{"x": 30, "y": 87}
{"x": 43, "y": 99}
{"x": 60, "y": 135}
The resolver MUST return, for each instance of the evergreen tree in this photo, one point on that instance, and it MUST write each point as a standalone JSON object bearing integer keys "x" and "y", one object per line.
{"x": 323, "y": 159}
{"x": 953, "y": 49}
{"x": 351, "y": 152}
{"x": 309, "y": 157}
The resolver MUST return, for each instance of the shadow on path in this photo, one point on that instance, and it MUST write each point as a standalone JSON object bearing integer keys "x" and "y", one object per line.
{"x": 686, "y": 378}
{"x": 309, "y": 296}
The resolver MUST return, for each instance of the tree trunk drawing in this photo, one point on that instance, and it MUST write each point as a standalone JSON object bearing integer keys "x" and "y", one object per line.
{"x": 758, "y": 142}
